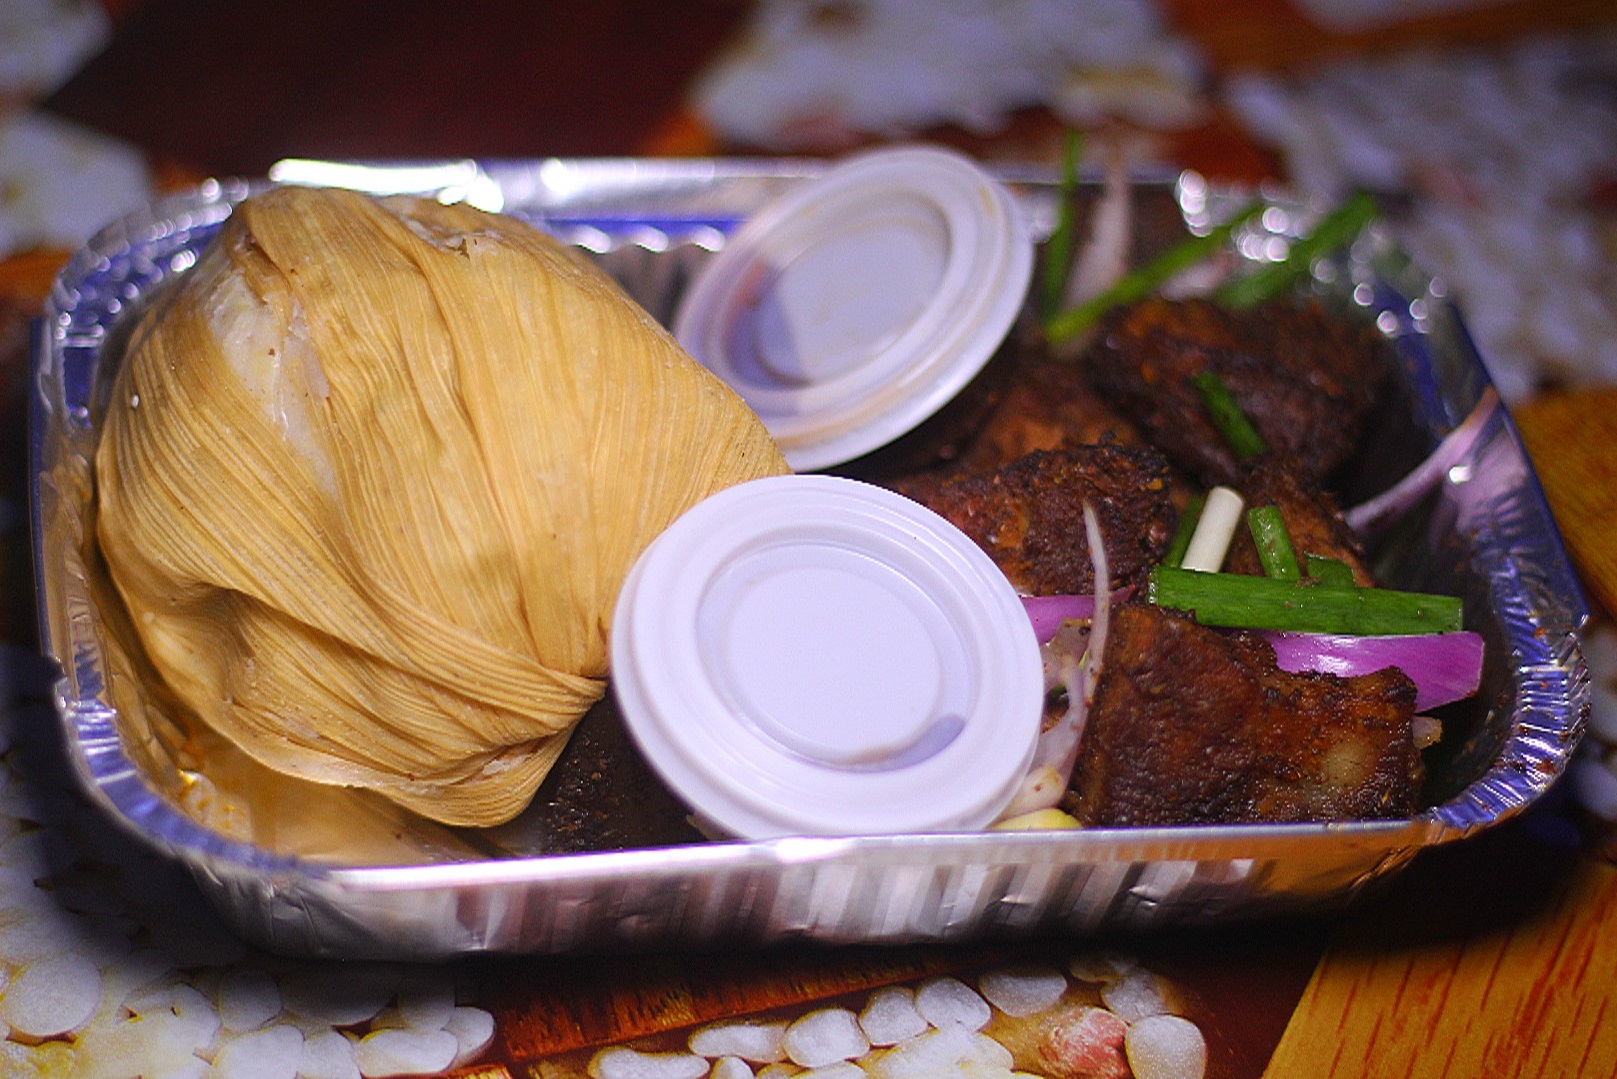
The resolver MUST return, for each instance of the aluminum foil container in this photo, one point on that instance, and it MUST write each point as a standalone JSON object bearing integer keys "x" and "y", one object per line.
{"x": 313, "y": 870}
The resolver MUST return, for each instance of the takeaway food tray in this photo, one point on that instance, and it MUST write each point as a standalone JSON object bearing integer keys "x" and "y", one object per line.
{"x": 323, "y": 872}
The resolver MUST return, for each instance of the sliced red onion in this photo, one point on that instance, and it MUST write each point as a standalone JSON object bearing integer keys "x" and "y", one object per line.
{"x": 1103, "y": 607}
{"x": 1444, "y": 666}
{"x": 1105, "y": 257}
{"x": 1371, "y": 515}
{"x": 1057, "y": 751}
{"x": 1048, "y": 612}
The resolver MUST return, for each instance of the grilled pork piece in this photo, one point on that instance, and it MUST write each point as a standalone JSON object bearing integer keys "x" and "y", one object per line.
{"x": 601, "y": 795}
{"x": 1305, "y": 379}
{"x": 1028, "y": 515}
{"x": 1194, "y": 726}
{"x": 1312, "y": 518}
{"x": 1047, "y": 405}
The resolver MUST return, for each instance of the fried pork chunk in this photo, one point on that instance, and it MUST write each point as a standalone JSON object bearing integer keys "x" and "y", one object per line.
{"x": 1305, "y": 379}
{"x": 1313, "y": 521}
{"x": 1047, "y": 404}
{"x": 1194, "y": 726}
{"x": 1028, "y": 515}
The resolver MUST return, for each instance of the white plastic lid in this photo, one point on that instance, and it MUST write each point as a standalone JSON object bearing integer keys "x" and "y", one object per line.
{"x": 809, "y": 655}
{"x": 853, "y": 308}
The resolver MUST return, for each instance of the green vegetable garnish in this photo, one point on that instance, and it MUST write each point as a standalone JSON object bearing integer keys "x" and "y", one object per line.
{"x": 1058, "y": 249}
{"x": 1239, "y": 434}
{"x": 1139, "y": 283}
{"x": 1274, "y": 543}
{"x": 1241, "y": 601}
{"x": 1336, "y": 228}
{"x": 1329, "y": 571}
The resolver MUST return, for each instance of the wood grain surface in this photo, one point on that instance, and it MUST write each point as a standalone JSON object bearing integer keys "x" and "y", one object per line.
{"x": 1499, "y": 966}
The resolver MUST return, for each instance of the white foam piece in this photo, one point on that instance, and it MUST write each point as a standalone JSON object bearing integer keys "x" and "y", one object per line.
{"x": 731, "y": 1068}
{"x": 52, "y": 997}
{"x": 1135, "y": 996}
{"x": 384, "y": 1053}
{"x": 426, "y": 1000}
{"x": 327, "y": 1054}
{"x": 134, "y": 971}
{"x": 141, "y": 1046}
{"x": 890, "y": 1016}
{"x": 473, "y": 1029}
{"x": 825, "y": 1036}
{"x": 1023, "y": 991}
{"x": 45, "y": 930}
{"x": 950, "y": 1002}
{"x": 1166, "y": 1047}
{"x": 248, "y": 998}
{"x": 190, "y": 1017}
{"x": 270, "y": 1053}
{"x": 847, "y": 1069}
{"x": 761, "y": 1043}
{"x": 623, "y": 1063}
{"x": 938, "y": 1052}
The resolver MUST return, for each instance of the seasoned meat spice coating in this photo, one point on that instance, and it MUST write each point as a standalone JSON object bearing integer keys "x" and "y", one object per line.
{"x": 1305, "y": 379}
{"x": 1047, "y": 405}
{"x": 1191, "y": 725}
{"x": 1313, "y": 521}
{"x": 601, "y": 795}
{"x": 1028, "y": 515}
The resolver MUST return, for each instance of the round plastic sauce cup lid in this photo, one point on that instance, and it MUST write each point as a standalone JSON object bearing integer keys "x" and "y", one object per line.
{"x": 853, "y": 308}
{"x": 809, "y": 655}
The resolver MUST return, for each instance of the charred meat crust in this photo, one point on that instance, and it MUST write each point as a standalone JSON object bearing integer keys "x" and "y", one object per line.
{"x": 1047, "y": 405}
{"x": 1192, "y": 725}
{"x": 1305, "y": 378}
{"x": 1028, "y": 516}
{"x": 602, "y": 795}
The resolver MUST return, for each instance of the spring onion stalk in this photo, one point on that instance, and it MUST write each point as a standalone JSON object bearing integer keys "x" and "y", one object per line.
{"x": 1246, "y": 602}
{"x": 1335, "y": 229}
{"x": 1239, "y": 434}
{"x": 1058, "y": 249}
{"x": 1182, "y": 532}
{"x": 1445, "y": 667}
{"x": 1371, "y": 516}
{"x": 1274, "y": 543}
{"x": 1145, "y": 280}
{"x": 1329, "y": 571}
{"x": 1220, "y": 517}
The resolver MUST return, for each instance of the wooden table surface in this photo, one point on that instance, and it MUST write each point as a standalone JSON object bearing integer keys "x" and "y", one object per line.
{"x": 1494, "y": 957}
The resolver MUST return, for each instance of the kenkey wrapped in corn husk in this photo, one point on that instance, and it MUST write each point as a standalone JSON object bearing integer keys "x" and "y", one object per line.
{"x": 371, "y": 477}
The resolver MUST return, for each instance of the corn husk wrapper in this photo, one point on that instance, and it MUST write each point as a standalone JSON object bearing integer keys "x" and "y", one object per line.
{"x": 371, "y": 478}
